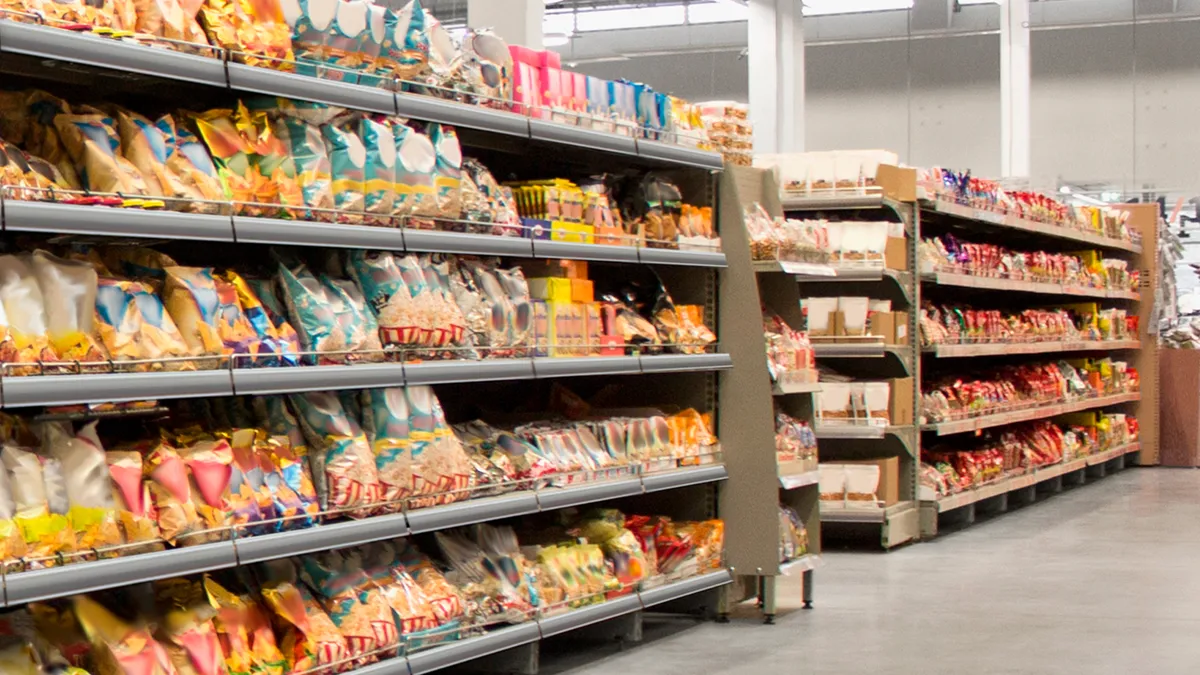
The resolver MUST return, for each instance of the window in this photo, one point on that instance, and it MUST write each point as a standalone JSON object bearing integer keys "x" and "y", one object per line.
{"x": 823, "y": 7}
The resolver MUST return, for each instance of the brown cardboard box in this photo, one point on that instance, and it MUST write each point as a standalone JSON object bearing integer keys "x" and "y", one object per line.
{"x": 897, "y": 183}
{"x": 900, "y": 328}
{"x": 883, "y": 324}
{"x": 889, "y": 478}
{"x": 900, "y": 410}
{"x": 895, "y": 256}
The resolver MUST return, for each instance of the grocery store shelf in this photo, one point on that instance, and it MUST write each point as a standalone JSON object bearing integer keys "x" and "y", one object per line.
{"x": 682, "y": 589}
{"x": 854, "y": 350}
{"x": 305, "y": 88}
{"x": 586, "y": 616}
{"x": 951, "y": 351}
{"x": 999, "y": 284}
{"x": 674, "y": 153}
{"x": 670, "y": 256}
{"x": 113, "y": 387}
{"x": 24, "y": 216}
{"x": 858, "y": 431}
{"x": 73, "y": 47}
{"x": 804, "y": 563}
{"x": 799, "y": 480}
{"x": 451, "y": 372}
{"x": 834, "y": 199}
{"x": 802, "y": 269}
{"x": 683, "y": 363}
{"x": 473, "y": 511}
{"x": 696, "y": 475}
{"x": 86, "y": 577}
{"x": 544, "y": 248}
{"x": 900, "y": 522}
{"x": 319, "y": 538}
{"x": 265, "y": 381}
{"x": 788, "y": 388}
{"x": 433, "y": 109}
{"x": 557, "y": 132}
{"x": 462, "y": 651}
{"x": 1014, "y": 222}
{"x": 1041, "y": 412}
{"x": 580, "y": 366}
{"x": 550, "y": 498}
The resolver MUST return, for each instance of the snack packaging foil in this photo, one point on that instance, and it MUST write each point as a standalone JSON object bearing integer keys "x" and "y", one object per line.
{"x": 189, "y": 161}
{"x": 340, "y": 452}
{"x": 131, "y": 494}
{"x": 254, "y": 30}
{"x": 26, "y": 313}
{"x": 92, "y": 513}
{"x": 210, "y": 466}
{"x": 264, "y": 290}
{"x": 69, "y": 288}
{"x": 93, "y": 144}
{"x": 379, "y": 143}
{"x": 416, "y": 163}
{"x": 243, "y": 632}
{"x": 119, "y": 648}
{"x": 448, "y": 176}
{"x": 312, "y": 311}
{"x": 356, "y": 319}
{"x": 46, "y": 532}
{"x": 171, "y": 493}
{"x": 192, "y": 298}
{"x": 314, "y": 174}
{"x": 383, "y": 285}
{"x": 148, "y": 146}
{"x": 348, "y": 159}
{"x": 279, "y": 345}
{"x": 309, "y": 638}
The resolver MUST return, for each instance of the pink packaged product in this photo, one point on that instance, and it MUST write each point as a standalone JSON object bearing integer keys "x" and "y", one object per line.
{"x": 527, "y": 91}
{"x": 522, "y": 54}
{"x": 549, "y": 59}
{"x": 580, "y": 94}
{"x": 551, "y": 79}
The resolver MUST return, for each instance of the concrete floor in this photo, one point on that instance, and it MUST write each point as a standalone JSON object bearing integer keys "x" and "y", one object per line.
{"x": 1101, "y": 579}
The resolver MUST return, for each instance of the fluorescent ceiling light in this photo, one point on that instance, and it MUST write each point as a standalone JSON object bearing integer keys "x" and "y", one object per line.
{"x": 717, "y": 11}
{"x": 556, "y": 39}
{"x": 632, "y": 17}
{"x": 825, "y": 7}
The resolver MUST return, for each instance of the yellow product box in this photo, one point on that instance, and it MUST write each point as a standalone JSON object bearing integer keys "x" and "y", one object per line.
{"x": 593, "y": 328}
{"x": 583, "y": 290}
{"x": 550, "y": 289}
{"x": 575, "y": 233}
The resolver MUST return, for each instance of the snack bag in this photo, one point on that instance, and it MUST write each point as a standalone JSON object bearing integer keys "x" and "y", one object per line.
{"x": 288, "y": 482}
{"x": 191, "y": 641}
{"x": 404, "y": 53}
{"x": 131, "y": 496}
{"x": 92, "y": 513}
{"x": 39, "y": 500}
{"x": 171, "y": 495}
{"x": 416, "y": 164}
{"x": 275, "y": 349}
{"x": 12, "y": 540}
{"x": 444, "y": 598}
{"x": 346, "y": 38}
{"x": 159, "y": 337}
{"x": 254, "y": 30}
{"x": 309, "y": 638}
{"x": 169, "y": 19}
{"x": 191, "y": 296}
{"x": 363, "y": 619}
{"x": 383, "y": 285}
{"x": 210, "y": 465}
{"x": 189, "y": 162}
{"x": 386, "y": 418}
{"x": 312, "y": 311}
{"x": 448, "y": 171}
{"x": 289, "y": 339}
{"x": 25, "y": 310}
{"x": 379, "y": 180}
{"x": 310, "y": 159}
{"x": 237, "y": 333}
{"x": 347, "y": 157}
{"x": 119, "y": 323}
{"x": 119, "y": 648}
{"x": 355, "y": 319}
{"x": 340, "y": 453}
{"x": 244, "y": 633}
{"x": 70, "y": 288}
{"x": 94, "y": 146}
{"x": 144, "y": 146}
{"x": 240, "y": 161}
{"x": 440, "y": 465}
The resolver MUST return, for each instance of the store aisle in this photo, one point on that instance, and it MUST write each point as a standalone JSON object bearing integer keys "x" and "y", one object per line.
{"x": 1101, "y": 579}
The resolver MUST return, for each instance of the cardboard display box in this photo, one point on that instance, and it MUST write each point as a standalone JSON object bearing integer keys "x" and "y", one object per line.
{"x": 889, "y": 478}
{"x": 900, "y": 411}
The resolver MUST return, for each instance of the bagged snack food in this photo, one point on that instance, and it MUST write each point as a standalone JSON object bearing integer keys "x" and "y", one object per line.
{"x": 314, "y": 173}
{"x": 416, "y": 164}
{"x": 46, "y": 531}
{"x": 131, "y": 494}
{"x": 25, "y": 310}
{"x": 443, "y": 597}
{"x": 340, "y": 453}
{"x": 358, "y": 610}
{"x": 379, "y": 180}
{"x": 190, "y": 639}
{"x": 191, "y": 296}
{"x": 278, "y": 345}
{"x": 159, "y": 337}
{"x": 312, "y": 312}
{"x": 169, "y": 19}
{"x": 386, "y": 292}
{"x": 245, "y": 635}
{"x": 119, "y": 648}
{"x": 448, "y": 171}
{"x": 119, "y": 323}
{"x": 252, "y": 163}
{"x": 70, "y": 288}
{"x": 12, "y": 541}
{"x": 188, "y": 160}
{"x": 440, "y": 465}
{"x": 309, "y": 639}
{"x": 94, "y": 146}
{"x": 251, "y": 501}
{"x": 256, "y": 32}
{"x": 288, "y": 482}
{"x": 347, "y": 159}
{"x": 265, "y": 291}
{"x": 210, "y": 465}
{"x": 404, "y": 53}
{"x": 92, "y": 513}
{"x": 171, "y": 493}
{"x": 386, "y": 420}
{"x": 237, "y": 333}
{"x": 355, "y": 319}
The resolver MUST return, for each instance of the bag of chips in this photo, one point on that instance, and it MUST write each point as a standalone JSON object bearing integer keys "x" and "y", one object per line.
{"x": 448, "y": 176}
{"x": 364, "y": 619}
{"x": 93, "y": 144}
{"x": 340, "y": 452}
{"x": 131, "y": 494}
{"x": 379, "y": 179}
{"x": 168, "y": 19}
{"x": 347, "y": 159}
{"x": 274, "y": 349}
{"x": 190, "y": 639}
{"x": 70, "y": 289}
{"x": 444, "y": 598}
{"x": 245, "y": 635}
{"x": 440, "y": 465}
{"x": 46, "y": 531}
{"x": 25, "y": 311}
{"x": 169, "y": 481}
{"x": 294, "y": 500}
{"x": 159, "y": 337}
{"x": 416, "y": 164}
{"x": 255, "y": 31}
{"x": 312, "y": 311}
{"x": 119, "y": 648}
{"x": 92, "y": 513}
{"x": 189, "y": 162}
{"x": 309, "y": 638}
{"x": 248, "y": 157}
{"x": 192, "y": 298}
{"x": 310, "y": 159}
{"x": 355, "y": 319}
{"x": 119, "y": 323}
{"x": 210, "y": 464}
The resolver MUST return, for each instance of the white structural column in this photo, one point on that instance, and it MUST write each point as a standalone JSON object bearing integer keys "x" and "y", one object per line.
{"x": 1014, "y": 89}
{"x": 776, "y": 39}
{"x": 519, "y": 22}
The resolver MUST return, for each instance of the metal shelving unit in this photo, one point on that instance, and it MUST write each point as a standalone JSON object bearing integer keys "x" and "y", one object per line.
{"x": 997, "y": 496}
{"x": 897, "y": 523}
{"x": 685, "y": 379}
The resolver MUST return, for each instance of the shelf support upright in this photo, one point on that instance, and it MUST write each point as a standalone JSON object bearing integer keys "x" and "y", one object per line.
{"x": 776, "y": 39}
{"x": 518, "y": 22}
{"x": 1014, "y": 89}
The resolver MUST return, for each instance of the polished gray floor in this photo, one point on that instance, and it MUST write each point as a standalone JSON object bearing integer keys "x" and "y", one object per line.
{"x": 1101, "y": 579}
